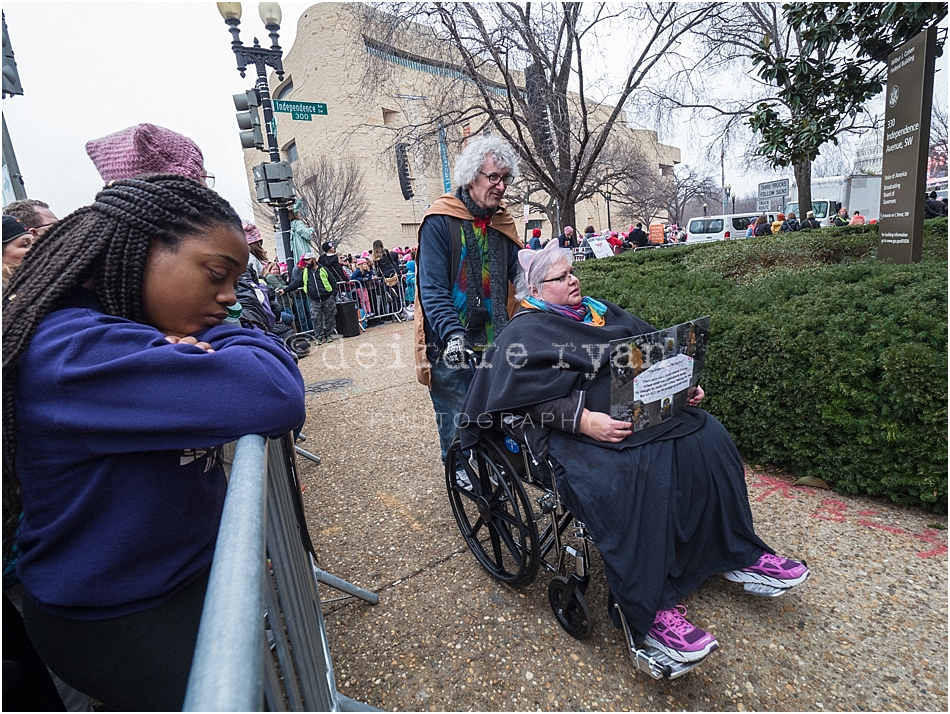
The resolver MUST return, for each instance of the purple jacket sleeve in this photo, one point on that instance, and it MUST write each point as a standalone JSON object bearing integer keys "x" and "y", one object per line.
{"x": 123, "y": 387}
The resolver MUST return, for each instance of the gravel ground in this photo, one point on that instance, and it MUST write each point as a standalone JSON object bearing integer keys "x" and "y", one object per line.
{"x": 867, "y": 632}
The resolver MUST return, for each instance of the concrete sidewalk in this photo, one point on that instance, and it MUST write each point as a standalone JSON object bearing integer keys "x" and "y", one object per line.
{"x": 867, "y": 632}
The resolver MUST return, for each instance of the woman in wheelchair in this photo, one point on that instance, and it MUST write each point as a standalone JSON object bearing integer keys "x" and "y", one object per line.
{"x": 666, "y": 506}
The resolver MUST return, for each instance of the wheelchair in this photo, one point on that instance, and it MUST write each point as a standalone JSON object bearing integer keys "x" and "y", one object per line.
{"x": 500, "y": 524}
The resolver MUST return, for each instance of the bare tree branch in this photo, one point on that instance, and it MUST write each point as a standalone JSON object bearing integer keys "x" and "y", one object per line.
{"x": 334, "y": 195}
{"x": 526, "y": 72}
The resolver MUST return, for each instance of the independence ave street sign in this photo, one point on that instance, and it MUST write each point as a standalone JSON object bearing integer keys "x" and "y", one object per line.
{"x": 301, "y": 111}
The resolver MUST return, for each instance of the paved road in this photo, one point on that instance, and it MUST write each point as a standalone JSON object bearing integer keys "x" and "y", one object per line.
{"x": 867, "y": 632}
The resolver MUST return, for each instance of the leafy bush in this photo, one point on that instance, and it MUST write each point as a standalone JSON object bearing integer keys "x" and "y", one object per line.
{"x": 823, "y": 360}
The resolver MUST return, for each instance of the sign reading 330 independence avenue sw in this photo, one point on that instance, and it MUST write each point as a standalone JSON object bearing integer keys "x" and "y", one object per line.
{"x": 299, "y": 110}
{"x": 909, "y": 96}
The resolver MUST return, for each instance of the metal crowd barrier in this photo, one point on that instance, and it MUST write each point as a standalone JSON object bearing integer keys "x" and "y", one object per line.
{"x": 300, "y": 306}
{"x": 376, "y": 299}
{"x": 373, "y": 297}
{"x": 263, "y": 580}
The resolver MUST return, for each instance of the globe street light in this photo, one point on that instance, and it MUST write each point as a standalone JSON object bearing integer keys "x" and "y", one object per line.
{"x": 262, "y": 58}
{"x": 727, "y": 191}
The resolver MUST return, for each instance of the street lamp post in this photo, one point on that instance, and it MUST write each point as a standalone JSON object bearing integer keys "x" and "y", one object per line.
{"x": 607, "y": 198}
{"x": 262, "y": 58}
{"x": 727, "y": 191}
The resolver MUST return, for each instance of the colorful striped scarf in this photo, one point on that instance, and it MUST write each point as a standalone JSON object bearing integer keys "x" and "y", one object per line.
{"x": 590, "y": 310}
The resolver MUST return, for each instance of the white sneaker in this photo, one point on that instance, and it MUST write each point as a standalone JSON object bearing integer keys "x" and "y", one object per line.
{"x": 461, "y": 478}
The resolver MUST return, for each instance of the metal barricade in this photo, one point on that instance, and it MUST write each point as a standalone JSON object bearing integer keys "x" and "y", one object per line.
{"x": 263, "y": 572}
{"x": 386, "y": 301}
{"x": 300, "y": 306}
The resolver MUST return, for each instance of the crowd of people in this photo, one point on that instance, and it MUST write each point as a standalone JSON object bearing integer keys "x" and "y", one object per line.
{"x": 126, "y": 324}
{"x": 619, "y": 241}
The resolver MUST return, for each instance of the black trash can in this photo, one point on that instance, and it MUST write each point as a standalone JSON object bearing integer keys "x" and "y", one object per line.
{"x": 348, "y": 318}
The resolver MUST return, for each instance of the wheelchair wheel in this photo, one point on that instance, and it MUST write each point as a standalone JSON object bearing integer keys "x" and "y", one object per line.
{"x": 300, "y": 345}
{"x": 574, "y": 616}
{"x": 493, "y": 512}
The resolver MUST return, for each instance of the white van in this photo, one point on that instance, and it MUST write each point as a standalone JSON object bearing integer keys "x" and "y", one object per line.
{"x": 706, "y": 229}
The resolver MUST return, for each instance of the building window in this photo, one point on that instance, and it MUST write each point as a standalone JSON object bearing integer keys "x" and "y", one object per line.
{"x": 285, "y": 91}
{"x": 410, "y": 233}
{"x": 390, "y": 118}
{"x": 291, "y": 151}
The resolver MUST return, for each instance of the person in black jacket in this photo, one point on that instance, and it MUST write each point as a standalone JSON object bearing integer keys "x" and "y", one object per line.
{"x": 934, "y": 208}
{"x": 810, "y": 222}
{"x": 762, "y": 226}
{"x": 638, "y": 237}
{"x": 331, "y": 262}
{"x": 841, "y": 218}
{"x": 387, "y": 266}
{"x": 320, "y": 286}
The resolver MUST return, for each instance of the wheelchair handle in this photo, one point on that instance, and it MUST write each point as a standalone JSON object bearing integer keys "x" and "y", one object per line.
{"x": 473, "y": 358}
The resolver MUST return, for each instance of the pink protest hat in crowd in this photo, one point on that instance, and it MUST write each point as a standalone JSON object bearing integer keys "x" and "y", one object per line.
{"x": 146, "y": 149}
{"x": 250, "y": 232}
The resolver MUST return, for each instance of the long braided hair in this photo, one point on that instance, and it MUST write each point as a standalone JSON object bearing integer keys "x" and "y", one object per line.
{"x": 107, "y": 242}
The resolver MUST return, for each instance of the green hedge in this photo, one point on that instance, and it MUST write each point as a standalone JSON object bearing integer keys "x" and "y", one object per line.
{"x": 822, "y": 360}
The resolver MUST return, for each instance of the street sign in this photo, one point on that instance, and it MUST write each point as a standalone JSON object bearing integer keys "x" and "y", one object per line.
{"x": 301, "y": 111}
{"x": 910, "y": 87}
{"x": 764, "y": 204}
{"x": 773, "y": 188}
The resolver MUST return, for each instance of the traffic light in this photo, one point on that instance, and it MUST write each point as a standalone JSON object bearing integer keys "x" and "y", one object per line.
{"x": 11, "y": 77}
{"x": 249, "y": 119}
{"x": 274, "y": 183}
{"x": 402, "y": 168}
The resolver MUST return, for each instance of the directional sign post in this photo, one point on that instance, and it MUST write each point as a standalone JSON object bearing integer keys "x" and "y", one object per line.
{"x": 301, "y": 111}
{"x": 772, "y": 189}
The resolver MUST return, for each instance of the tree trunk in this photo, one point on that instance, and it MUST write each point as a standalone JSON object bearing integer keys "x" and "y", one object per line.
{"x": 569, "y": 218}
{"x": 803, "y": 181}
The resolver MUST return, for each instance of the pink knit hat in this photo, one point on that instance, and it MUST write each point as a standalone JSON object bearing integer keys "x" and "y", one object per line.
{"x": 146, "y": 149}
{"x": 250, "y": 232}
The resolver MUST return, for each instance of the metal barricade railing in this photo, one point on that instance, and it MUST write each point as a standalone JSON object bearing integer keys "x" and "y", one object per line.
{"x": 300, "y": 306}
{"x": 378, "y": 300}
{"x": 263, "y": 572}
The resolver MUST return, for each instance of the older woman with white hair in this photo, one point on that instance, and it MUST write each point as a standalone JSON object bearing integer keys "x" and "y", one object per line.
{"x": 666, "y": 506}
{"x": 467, "y": 259}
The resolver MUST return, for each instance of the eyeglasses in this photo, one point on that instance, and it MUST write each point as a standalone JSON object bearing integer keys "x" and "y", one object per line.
{"x": 562, "y": 278}
{"x": 35, "y": 230}
{"x": 209, "y": 179}
{"x": 493, "y": 179}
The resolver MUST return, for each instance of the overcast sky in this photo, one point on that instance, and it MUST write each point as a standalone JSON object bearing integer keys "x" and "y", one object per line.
{"x": 90, "y": 69}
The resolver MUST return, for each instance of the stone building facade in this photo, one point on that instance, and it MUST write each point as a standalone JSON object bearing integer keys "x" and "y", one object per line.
{"x": 328, "y": 64}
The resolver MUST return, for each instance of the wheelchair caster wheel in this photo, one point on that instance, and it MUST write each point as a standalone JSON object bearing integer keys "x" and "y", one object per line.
{"x": 300, "y": 345}
{"x": 573, "y": 615}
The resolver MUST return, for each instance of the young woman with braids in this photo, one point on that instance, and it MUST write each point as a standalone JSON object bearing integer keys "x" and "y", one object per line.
{"x": 120, "y": 382}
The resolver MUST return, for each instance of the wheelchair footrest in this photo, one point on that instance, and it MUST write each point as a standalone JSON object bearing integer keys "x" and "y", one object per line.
{"x": 658, "y": 665}
{"x": 651, "y": 660}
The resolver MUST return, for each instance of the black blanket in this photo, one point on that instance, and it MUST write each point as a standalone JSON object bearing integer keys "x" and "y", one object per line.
{"x": 667, "y": 507}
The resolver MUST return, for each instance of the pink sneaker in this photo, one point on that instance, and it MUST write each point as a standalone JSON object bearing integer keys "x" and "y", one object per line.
{"x": 675, "y": 637}
{"x": 771, "y": 570}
